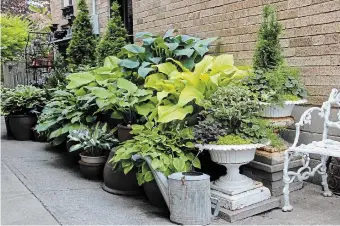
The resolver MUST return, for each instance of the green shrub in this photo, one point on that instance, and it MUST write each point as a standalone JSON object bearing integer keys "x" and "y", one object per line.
{"x": 14, "y": 33}
{"x": 268, "y": 52}
{"x": 81, "y": 50}
{"x": 114, "y": 38}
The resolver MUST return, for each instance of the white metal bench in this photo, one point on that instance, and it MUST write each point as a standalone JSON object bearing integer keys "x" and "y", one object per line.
{"x": 325, "y": 148}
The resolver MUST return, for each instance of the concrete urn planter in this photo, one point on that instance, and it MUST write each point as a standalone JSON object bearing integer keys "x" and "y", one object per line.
{"x": 232, "y": 157}
{"x": 278, "y": 111}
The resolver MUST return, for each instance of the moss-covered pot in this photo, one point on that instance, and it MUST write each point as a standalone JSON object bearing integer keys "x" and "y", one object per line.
{"x": 21, "y": 126}
{"x": 116, "y": 182}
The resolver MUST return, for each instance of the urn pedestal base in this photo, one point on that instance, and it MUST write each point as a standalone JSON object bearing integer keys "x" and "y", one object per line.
{"x": 237, "y": 205}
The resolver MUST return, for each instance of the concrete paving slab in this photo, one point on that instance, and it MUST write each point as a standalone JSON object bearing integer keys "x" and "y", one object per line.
{"x": 50, "y": 175}
{"x": 24, "y": 209}
{"x": 96, "y": 207}
{"x": 11, "y": 186}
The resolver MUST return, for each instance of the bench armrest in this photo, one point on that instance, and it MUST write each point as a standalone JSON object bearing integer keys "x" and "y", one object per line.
{"x": 306, "y": 119}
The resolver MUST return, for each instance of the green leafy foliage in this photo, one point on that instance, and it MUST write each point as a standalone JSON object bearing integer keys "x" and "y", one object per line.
{"x": 14, "y": 33}
{"x": 235, "y": 111}
{"x": 232, "y": 140}
{"x": 156, "y": 50}
{"x": 66, "y": 112}
{"x": 22, "y": 100}
{"x": 114, "y": 38}
{"x": 277, "y": 85}
{"x": 81, "y": 50}
{"x": 178, "y": 89}
{"x": 93, "y": 140}
{"x": 268, "y": 52}
{"x": 57, "y": 77}
{"x": 170, "y": 148}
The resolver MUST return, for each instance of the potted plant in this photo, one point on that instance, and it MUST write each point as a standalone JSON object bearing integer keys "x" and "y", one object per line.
{"x": 231, "y": 129}
{"x": 170, "y": 147}
{"x": 278, "y": 86}
{"x": 21, "y": 106}
{"x": 94, "y": 144}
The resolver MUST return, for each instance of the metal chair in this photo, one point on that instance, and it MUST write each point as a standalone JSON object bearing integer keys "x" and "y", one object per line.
{"x": 325, "y": 148}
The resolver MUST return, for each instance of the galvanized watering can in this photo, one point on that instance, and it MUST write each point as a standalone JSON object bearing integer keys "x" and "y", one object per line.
{"x": 187, "y": 195}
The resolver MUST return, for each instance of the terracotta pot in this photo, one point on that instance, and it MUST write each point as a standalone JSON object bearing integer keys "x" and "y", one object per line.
{"x": 116, "y": 182}
{"x": 91, "y": 171}
{"x": 124, "y": 133}
{"x": 154, "y": 194}
{"x": 21, "y": 126}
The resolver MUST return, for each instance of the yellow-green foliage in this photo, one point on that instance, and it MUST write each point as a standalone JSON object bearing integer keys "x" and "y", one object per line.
{"x": 14, "y": 33}
{"x": 232, "y": 140}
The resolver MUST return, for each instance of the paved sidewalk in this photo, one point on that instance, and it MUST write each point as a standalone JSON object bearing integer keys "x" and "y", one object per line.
{"x": 40, "y": 185}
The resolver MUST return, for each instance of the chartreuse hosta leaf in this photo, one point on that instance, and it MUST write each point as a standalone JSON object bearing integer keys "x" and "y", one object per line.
{"x": 79, "y": 79}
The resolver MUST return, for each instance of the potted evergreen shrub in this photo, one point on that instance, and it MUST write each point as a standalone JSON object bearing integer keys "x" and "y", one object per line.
{"x": 114, "y": 37}
{"x": 82, "y": 48}
{"x": 21, "y": 107}
{"x": 94, "y": 144}
{"x": 231, "y": 129}
{"x": 278, "y": 86}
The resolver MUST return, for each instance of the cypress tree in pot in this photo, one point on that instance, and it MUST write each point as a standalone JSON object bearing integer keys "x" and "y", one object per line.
{"x": 21, "y": 106}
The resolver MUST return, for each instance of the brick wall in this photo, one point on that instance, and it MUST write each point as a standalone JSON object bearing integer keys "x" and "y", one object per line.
{"x": 102, "y": 9}
{"x": 311, "y": 39}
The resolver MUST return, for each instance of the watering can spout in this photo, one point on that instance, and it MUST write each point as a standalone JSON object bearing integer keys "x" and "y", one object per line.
{"x": 161, "y": 179}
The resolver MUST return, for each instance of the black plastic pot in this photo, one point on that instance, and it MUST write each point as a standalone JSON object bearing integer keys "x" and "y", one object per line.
{"x": 154, "y": 194}
{"x": 124, "y": 133}
{"x": 91, "y": 171}
{"x": 21, "y": 126}
{"x": 116, "y": 182}
{"x": 8, "y": 128}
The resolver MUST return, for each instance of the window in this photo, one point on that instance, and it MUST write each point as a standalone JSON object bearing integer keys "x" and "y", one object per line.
{"x": 66, "y": 3}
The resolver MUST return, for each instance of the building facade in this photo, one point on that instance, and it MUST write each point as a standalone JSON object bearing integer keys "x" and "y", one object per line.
{"x": 311, "y": 39}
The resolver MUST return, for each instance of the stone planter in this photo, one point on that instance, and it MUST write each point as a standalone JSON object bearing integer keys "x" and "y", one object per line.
{"x": 232, "y": 157}
{"x": 21, "y": 126}
{"x": 278, "y": 111}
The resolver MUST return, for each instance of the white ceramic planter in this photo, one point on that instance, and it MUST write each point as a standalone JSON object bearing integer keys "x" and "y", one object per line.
{"x": 232, "y": 157}
{"x": 93, "y": 160}
{"x": 278, "y": 111}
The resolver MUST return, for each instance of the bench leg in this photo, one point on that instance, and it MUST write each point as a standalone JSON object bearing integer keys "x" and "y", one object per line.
{"x": 323, "y": 173}
{"x": 286, "y": 180}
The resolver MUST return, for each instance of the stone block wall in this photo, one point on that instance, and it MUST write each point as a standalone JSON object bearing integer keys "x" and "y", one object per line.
{"x": 311, "y": 39}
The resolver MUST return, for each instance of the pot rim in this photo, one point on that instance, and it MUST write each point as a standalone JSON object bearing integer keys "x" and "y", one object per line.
{"x": 91, "y": 157}
{"x": 22, "y": 116}
{"x": 123, "y": 126}
{"x": 239, "y": 147}
{"x": 287, "y": 102}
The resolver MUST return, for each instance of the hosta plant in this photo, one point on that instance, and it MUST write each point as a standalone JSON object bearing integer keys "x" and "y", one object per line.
{"x": 93, "y": 140}
{"x": 155, "y": 49}
{"x": 23, "y": 100}
{"x": 170, "y": 148}
{"x": 179, "y": 90}
{"x": 63, "y": 113}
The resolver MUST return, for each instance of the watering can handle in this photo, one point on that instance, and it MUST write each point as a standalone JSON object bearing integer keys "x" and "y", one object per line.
{"x": 215, "y": 202}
